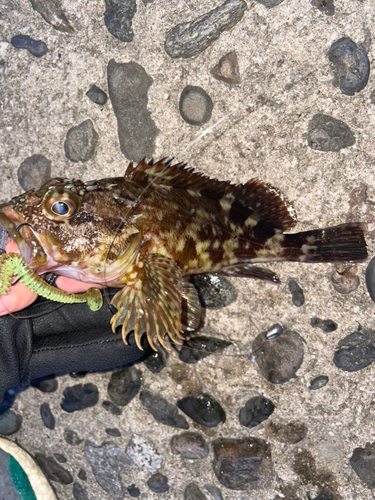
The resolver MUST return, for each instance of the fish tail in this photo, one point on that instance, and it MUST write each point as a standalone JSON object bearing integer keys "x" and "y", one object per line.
{"x": 341, "y": 243}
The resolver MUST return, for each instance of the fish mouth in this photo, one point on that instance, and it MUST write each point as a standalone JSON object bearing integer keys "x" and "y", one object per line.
{"x": 30, "y": 248}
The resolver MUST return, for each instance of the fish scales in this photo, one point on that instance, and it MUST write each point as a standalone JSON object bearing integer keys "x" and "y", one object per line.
{"x": 146, "y": 232}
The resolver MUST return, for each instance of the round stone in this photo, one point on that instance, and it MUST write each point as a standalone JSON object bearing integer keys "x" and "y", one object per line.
{"x": 195, "y": 105}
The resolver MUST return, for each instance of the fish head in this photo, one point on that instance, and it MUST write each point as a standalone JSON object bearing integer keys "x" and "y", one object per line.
{"x": 69, "y": 226}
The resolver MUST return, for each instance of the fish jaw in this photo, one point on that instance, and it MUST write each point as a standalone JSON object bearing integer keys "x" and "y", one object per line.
{"x": 28, "y": 244}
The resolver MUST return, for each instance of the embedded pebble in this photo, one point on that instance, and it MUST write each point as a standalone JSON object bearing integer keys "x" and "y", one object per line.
{"x": 143, "y": 454}
{"x": 351, "y": 69}
{"x": 326, "y": 133}
{"x": 191, "y": 445}
{"x": 344, "y": 278}
{"x": 107, "y": 461}
{"x": 162, "y": 411}
{"x": 112, "y": 408}
{"x": 279, "y": 358}
{"x": 363, "y": 463}
{"x": 33, "y": 172}
{"x": 81, "y": 142}
{"x": 255, "y": 411}
{"x": 76, "y": 375}
{"x": 60, "y": 458}
{"x": 124, "y": 385}
{"x": 133, "y": 491}
{"x": 79, "y": 493}
{"x": 356, "y": 351}
{"x": 214, "y": 491}
{"x": 227, "y": 69}
{"x": 53, "y": 470}
{"x": 370, "y": 278}
{"x": 192, "y": 37}
{"x": 128, "y": 86}
{"x": 112, "y": 431}
{"x": 52, "y": 12}
{"x": 323, "y": 495}
{"x": 269, "y": 3}
{"x": 47, "y": 416}
{"x": 214, "y": 290}
{"x": 71, "y": 437}
{"x": 49, "y": 384}
{"x": 298, "y": 297}
{"x": 82, "y": 474}
{"x": 327, "y": 7}
{"x": 290, "y": 432}
{"x": 195, "y": 105}
{"x": 35, "y": 47}
{"x": 118, "y": 18}
{"x": 158, "y": 483}
{"x": 327, "y": 325}
{"x": 192, "y": 492}
{"x": 200, "y": 347}
{"x": 203, "y": 409}
{"x": 155, "y": 361}
{"x": 97, "y": 95}
{"x": 242, "y": 464}
{"x": 10, "y": 423}
{"x": 78, "y": 397}
{"x": 318, "y": 382}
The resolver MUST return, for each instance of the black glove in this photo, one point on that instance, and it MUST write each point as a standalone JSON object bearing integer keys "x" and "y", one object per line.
{"x": 60, "y": 339}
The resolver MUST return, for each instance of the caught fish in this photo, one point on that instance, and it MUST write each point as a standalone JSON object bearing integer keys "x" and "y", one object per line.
{"x": 146, "y": 232}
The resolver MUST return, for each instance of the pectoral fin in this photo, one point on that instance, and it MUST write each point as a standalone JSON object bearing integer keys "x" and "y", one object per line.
{"x": 151, "y": 302}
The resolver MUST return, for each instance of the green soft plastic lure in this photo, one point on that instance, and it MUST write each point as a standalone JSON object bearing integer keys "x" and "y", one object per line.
{"x": 13, "y": 264}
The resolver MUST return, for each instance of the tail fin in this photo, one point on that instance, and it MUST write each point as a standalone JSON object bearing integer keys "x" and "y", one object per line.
{"x": 341, "y": 243}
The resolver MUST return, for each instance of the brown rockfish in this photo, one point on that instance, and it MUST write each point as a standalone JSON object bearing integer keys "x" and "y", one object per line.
{"x": 147, "y": 231}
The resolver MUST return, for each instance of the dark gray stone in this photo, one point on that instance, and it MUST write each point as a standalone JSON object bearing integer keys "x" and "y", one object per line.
{"x": 370, "y": 278}
{"x": 47, "y": 416}
{"x": 214, "y": 491}
{"x": 363, "y": 464}
{"x": 124, "y": 385}
{"x": 298, "y": 297}
{"x": 227, "y": 69}
{"x": 255, "y": 411}
{"x": 133, "y": 491}
{"x": 158, "y": 483}
{"x": 35, "y": 47}
{"x": 195, "y": 105}
{"x": 71, "y": 437}
{"x": 270, "y": 3}
{"x": 78, "y": 397}
{"x": 192, "y": 37}
{"x": 81, "y": 142}
{"x": 327, "y": 7}
{"x": 112, "y": 431}
{"x": 112, "y": 408}
{"x": 279, "y": 358}
{"x": 318, "y": 382}
{"x": 242, "y": 464}
{"x": 155, "y": 361}
{"x": 79, "y": 493}
{"x": 33, "y": 172}
{"x": 351, "y": 69}
{"x": 203, "y": 409}
{"x": 200, "y": 347}
{"x": 53, "y": 470}
{"x": 107, "y": 461}
{"x": 356, "y": 351}
{"x": 214, "y": 290}
{"x": 52, "y": 12}
{"x": 118, "y": 18}
{"x": 326, "y": 133}
{"x": 162, "y": 411}
{"x": 128, "y": 86}
{"x": 190, "y": 445}
{"x": 97, "y": 95}
{"x": 82, "y": 474}
{"x": 192, "y": 492}
{"x": 10, "y": 423}
{"x": 49, "y": 384}
{"x": 327, "y": 325}
{"x": 60, "y": 458}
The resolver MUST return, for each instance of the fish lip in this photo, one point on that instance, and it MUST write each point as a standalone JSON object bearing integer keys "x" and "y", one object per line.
{"x": 31, "y": 250}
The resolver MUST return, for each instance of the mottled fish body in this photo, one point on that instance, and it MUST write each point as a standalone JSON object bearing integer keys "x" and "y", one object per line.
{"x": 147, "y": 231}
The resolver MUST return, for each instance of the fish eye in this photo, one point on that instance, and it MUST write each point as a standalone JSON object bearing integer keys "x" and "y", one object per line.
{"x": 61, "y": 206}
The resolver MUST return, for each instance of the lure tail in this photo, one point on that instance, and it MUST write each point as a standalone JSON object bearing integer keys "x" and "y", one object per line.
{"x": 341, "y": 243}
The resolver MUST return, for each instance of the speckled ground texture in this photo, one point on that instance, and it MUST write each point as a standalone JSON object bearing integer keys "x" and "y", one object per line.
{"x": 263, "y": 135}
